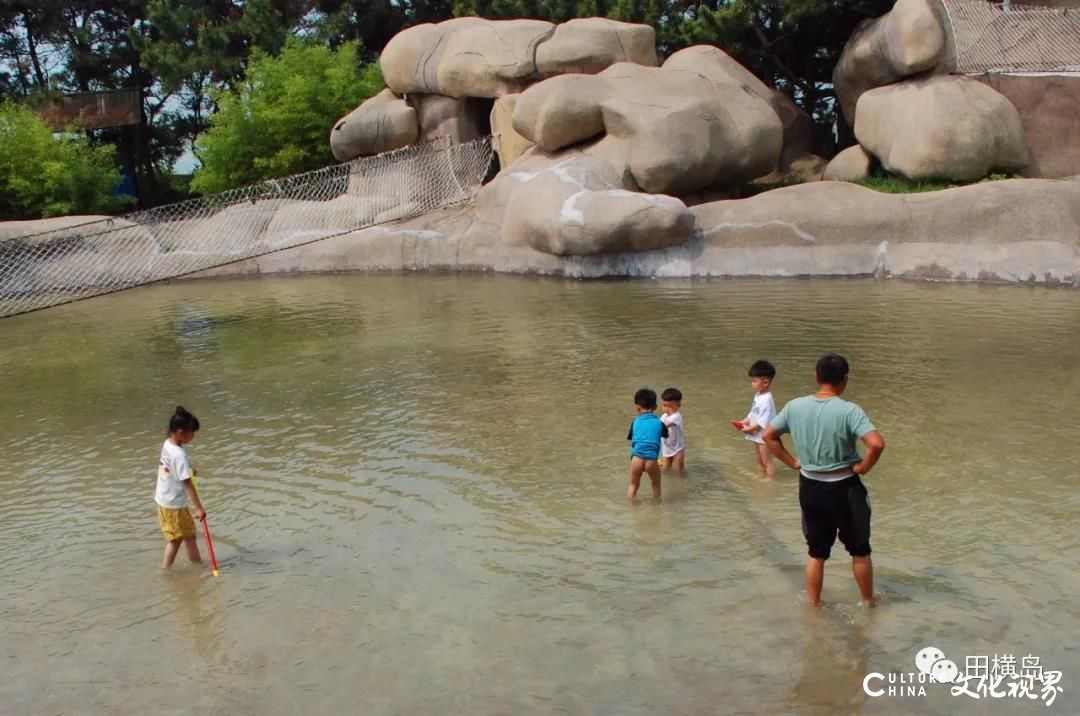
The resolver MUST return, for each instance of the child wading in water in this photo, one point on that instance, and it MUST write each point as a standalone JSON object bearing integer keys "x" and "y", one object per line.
{"x": 645, "y": 434}
{"x": 175, "y": 491}
{"x": 762, "y": 411}
{"x": 673, "y": 447}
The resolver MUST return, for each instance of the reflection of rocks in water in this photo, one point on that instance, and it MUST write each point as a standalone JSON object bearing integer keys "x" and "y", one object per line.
{"x": 198, "y": 331}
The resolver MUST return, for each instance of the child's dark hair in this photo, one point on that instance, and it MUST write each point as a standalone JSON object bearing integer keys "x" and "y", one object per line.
{"x": 182, "y": 420}
{"x": 646, "y": 398}
{"x": 673, "y": 394}
{"x": 832, "y": 368}
{"x": 763, "y": 369}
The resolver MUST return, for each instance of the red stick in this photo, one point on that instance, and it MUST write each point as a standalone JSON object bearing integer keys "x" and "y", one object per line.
{"x": 210, "y": 546}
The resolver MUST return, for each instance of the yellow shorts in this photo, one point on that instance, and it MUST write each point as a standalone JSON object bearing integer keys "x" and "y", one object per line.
{"x": 175, "y": 524}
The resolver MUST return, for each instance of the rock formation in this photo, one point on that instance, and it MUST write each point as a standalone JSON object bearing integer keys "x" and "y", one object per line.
{"x": 382, "y": 123}
{"x": 508, "y": 143}
{"x": 941, "y": 128}
{"x": 473, "y": 57}
{"x": 1021, "y": 230}
{"x": 575, "y": 205}
{"x": 670, "y": 130}
{"x": 605, "y": 155}
{"x": 908, "y": 40}
{"x": 849, "y": 165}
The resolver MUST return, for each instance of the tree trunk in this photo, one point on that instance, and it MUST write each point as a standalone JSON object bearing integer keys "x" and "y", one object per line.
{"x": 31, "y": 43}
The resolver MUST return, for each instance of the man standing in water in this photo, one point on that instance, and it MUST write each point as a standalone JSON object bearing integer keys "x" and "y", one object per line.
{"x": 834, "y": 501}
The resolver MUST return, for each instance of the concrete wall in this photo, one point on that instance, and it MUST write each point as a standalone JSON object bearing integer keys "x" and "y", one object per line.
{"x": 1049, "y": 107}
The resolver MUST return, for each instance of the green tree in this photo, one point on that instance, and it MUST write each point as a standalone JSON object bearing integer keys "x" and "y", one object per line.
{"x": 42, "y": 176}
{"x": 278, "y": 120}
{"x": 371, "y": 23}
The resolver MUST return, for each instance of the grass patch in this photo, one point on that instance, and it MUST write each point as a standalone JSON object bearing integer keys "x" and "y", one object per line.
{"x": 899, "y": 185}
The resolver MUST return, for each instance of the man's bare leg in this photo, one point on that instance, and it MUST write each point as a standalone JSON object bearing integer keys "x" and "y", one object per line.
{"x": 815, "y": 577}
{"x": 653, "y": 469}
{"x": 171, "y": 548}
{"x": 193, "y": 550}
{"x": 637, "y": 466}
{"x": 863, "y": 569}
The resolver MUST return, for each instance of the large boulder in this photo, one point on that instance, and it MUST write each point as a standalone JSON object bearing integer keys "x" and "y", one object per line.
{"x": 592, "y": 44}
{"x": 941, "y": 128}
{"x": 669, "y": 131}
{"x": 908, "y": 40}
{"x": 574, "y": 205}
{"x": 719, "y": 68}
{"x": 380, "y": 124}
{"x": 849, "y": 165}
{"x": 561, "y": 111}
{"x": 464, "y": 57}
{"x": 1048, "y": 106}
{"x": 509, "y": 145}
{"x": 474, "y": 57}
{"x": 678, "y": 132}
{"x": 491, "y": 59}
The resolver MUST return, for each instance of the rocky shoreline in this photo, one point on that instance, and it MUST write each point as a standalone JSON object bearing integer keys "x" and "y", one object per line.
{"x": 1012, "y": 231}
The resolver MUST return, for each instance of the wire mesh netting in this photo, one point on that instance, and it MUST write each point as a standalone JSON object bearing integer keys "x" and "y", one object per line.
{"x": 89, "y": 259}
{"x": 991, "y": 38}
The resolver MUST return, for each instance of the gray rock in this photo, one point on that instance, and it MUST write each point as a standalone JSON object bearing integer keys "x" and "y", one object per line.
{"x": 572, "y": 205}
{"x": 908, "y": 40}
{"x": 849, "y": 165}
{"x": 720, "y": 69}
{"x": 668, "y": 131}
{"x": 474, "y": 57}
{"x": 592, "y": 44}
{"x": 508, "y": 143}
{"x": 380, "y": 124}
{"x": 561, "y": 111}
{"x": 941, "y": 127}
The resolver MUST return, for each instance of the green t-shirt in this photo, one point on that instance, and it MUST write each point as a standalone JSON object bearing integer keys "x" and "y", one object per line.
{"x": 825, "y": 431}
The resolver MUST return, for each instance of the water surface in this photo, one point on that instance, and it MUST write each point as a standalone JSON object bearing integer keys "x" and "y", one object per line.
{"x": 416, "y": 489}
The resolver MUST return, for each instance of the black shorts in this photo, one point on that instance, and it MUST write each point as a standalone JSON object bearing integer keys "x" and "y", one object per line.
{"x": 835, "y": 508}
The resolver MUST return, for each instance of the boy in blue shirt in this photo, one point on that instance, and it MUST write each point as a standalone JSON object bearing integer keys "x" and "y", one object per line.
{"x": 644, "y": 436}
{"x": 826, "y": 429}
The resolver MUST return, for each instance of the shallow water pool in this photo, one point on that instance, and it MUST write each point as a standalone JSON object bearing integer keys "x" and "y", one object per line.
{"x": 416, "y": 487}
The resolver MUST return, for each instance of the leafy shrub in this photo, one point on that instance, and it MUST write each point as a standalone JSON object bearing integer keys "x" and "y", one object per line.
{"x": 278, "y": 121}
{"x": 43, "y": 176}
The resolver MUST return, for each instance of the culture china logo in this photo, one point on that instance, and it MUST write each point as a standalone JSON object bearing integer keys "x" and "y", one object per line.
{"x": 1001, "y": 676}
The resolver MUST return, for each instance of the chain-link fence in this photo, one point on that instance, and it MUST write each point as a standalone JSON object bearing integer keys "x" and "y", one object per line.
{"x": 90, "y": 259}
{"x": 992, "y": 38}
